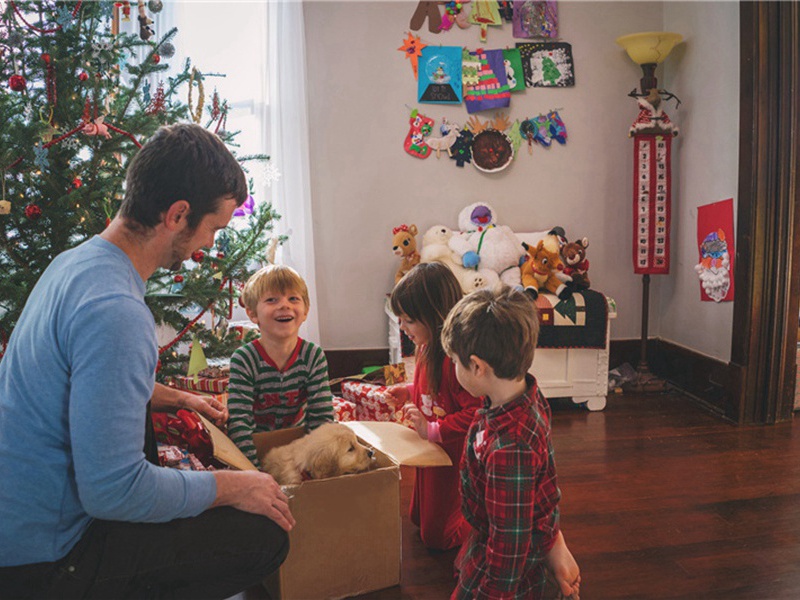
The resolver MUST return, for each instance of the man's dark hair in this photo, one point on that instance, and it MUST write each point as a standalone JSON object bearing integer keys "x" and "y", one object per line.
{"x": 181, "y": 162}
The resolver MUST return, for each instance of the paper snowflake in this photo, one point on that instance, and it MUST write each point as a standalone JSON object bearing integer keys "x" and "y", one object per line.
{"x": 271, "y": 174}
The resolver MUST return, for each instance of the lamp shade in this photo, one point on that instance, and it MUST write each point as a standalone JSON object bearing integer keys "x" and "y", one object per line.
{"x": 650, "y": 47}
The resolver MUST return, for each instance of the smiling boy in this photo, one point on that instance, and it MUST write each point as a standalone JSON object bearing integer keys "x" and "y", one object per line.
{"x": 278, "y": 380}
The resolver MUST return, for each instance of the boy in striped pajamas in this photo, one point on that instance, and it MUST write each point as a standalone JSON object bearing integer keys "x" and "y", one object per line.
{"x": 509, "y": 487}
{"x": 278, "y": 380}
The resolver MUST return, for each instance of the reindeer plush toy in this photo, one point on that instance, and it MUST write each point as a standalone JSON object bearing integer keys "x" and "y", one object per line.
{"x": 404, "y": 244}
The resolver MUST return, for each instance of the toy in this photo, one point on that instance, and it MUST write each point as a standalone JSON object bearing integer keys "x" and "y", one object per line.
{"x": 435, "y": 248}
{"x": 404, "y": 244}
{"x": 576, "y": 265}
{"x": 544, "y": 271}
{"x": 483, "y": 243}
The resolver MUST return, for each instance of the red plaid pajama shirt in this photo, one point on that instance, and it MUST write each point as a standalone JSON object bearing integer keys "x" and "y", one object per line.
{"x": 510, "y": 498}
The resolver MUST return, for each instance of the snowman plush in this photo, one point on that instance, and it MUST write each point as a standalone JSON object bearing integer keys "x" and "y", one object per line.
{"x": 482, "y": 243}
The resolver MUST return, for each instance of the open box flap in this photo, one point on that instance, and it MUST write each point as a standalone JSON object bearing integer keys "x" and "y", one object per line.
{"x": 224, "y": 449}
{"x": 402, "y": 444}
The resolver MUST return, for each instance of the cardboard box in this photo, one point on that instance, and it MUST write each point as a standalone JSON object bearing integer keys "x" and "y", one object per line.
{"x": 347, "y": 540}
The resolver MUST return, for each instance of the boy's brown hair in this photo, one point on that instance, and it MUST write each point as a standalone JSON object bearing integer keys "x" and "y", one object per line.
{"x": 273, "y": 278}
{"x": 500, "y": 327}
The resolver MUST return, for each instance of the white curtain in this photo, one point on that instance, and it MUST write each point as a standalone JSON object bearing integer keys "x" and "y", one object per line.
{"x": 288, "y": 119}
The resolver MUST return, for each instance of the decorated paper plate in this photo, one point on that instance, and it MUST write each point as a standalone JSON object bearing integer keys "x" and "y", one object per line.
{"x": 492, "y": 151}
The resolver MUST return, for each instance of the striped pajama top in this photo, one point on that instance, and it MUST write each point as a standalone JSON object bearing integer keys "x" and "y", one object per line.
{"x": 262, "y": 397}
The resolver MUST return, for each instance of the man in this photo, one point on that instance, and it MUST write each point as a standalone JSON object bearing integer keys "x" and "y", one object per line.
{"x": 83, "y": 512}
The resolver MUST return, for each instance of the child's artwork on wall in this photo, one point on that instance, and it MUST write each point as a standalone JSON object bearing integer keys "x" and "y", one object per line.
{"x": 547, "y": 64}
{"x": 715, "y": 242}
{"x": 412, "y": 48}
{"x": 440, "y": 75}
{"x": 514, "y": 71}
{"x": 485, "y": 83}
{"x": 535, "y": 19}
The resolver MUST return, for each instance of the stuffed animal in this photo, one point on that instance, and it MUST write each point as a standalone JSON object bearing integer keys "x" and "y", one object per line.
{"x": 576, "y": 265}
{"x": 544, "y": 271}
{"x": 482, "y": 243}
{"x": 404, "y": 244}
{"x": 435, "y": 248}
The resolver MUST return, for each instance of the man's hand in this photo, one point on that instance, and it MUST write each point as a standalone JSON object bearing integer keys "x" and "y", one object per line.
{"x": 254, "y": 492}
{"x": 417, "y": 419}
{"x": 169, "y": 399}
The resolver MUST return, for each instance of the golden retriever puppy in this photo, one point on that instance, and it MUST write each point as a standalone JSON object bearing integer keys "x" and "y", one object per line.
{"x": 328, "y": 451}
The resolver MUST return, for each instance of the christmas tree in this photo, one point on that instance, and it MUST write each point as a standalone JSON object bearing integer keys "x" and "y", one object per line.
{"x": 80, "y": 91}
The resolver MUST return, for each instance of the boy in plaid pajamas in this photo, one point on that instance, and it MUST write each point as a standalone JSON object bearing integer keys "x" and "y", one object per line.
{"x": 508, "y": 476}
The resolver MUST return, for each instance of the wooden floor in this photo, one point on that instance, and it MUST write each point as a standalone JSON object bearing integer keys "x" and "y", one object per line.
{"x": 660, "y": 500}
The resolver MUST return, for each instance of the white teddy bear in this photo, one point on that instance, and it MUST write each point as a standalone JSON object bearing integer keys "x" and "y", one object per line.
{"x": 482, "y": 243}
{"x": 435, "y": 248}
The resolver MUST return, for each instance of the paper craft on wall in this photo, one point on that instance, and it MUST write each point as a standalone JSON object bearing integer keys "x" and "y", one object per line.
{"x": 535, "y": 19}
{"x": 651, "y": 203}
{"x": 440, "y": 75}
{"x": 547, "y": 64}
{"x": 485, "y": 13}
{"x": 412, "y": 48}
{"x": 515, "y": 75}
{"x": 715, "y": 237}
{"x": 485, "y": 83}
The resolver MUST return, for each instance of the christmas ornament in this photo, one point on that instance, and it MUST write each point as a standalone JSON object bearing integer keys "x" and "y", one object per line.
{"x": 166, "y": 50}
{"x": 156, "y": 105}
{"x": 40, "y": 156}
{"x": 155, "y": 6}
{"x": 16, "y": 83}
{"x": 196, "y": 113}
{"x": 97, "y": 127}
{"x": 77, "y": 182}
{"x": 246, "y": 208}
{"x": 197, "y": 256}
{"x": 178, "y": 278}
{"x": 33, "y": 212}
{"x": 156, "y": 59}
{"x": 83, "y": 76}
{"x": 145, "y": 31}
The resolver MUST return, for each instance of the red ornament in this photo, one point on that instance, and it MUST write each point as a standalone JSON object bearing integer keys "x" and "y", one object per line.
{"x": 17, "y": 83}
{"x": 33, "y": 212}
{"x": 198, "y": 255}
{"x": 178, "y": 278}
{"x": 156, "y": 59}
{"x": 76, "y": 183}
{"x": 220, "y": 255}
{"x": 83, "y": 76}
{"x": 46, "y": 58}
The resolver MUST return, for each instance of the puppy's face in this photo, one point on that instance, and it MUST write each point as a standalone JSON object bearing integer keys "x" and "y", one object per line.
{"x": 335, "y": 450}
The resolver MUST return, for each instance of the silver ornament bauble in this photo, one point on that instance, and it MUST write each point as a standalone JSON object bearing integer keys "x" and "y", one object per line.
{"x": 155, "y": 5}
{"x": 166, "y": 50}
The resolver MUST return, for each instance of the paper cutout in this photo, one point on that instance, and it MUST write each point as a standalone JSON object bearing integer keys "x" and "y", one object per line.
{"x": 440, "y": 75}
{"x": 515, "y": 74}
{"x": 491, "y": 90}
{"x": 715, "y": 237}
{"x": 547, "y": 64}
{"x": 412, "y": 47}
{"x": 449, "y": 132}
{"x": 485, "y": 13}
{"x": 427, "y": 11}
{"x": 421, "y": 127}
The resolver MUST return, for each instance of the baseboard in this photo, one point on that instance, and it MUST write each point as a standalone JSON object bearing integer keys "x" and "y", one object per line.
{"x": 706, "y": 380}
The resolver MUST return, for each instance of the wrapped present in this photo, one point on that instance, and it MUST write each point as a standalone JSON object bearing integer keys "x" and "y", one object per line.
{"x": 344, "y": 410}
{"x": 371, "y": 402}
{"x": 214, "y": 385}
{"x": 184, "y": 430}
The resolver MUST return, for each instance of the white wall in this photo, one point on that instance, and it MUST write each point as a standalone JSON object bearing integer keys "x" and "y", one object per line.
{"x": 363, "y": 183}
{"x": 704, "y": 73}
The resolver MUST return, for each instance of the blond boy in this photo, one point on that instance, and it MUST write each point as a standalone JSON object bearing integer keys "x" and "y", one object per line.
{"x": 278, "y": 380}
{"x": 508, "y": 476}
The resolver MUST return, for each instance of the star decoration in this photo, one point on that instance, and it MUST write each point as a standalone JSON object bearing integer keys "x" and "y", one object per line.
{"x": 412, "y": 47}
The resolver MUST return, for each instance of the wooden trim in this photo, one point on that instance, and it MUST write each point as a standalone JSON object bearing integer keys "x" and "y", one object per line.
{"x": 767, "y": 296}
{"x": 342, "y": 363}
